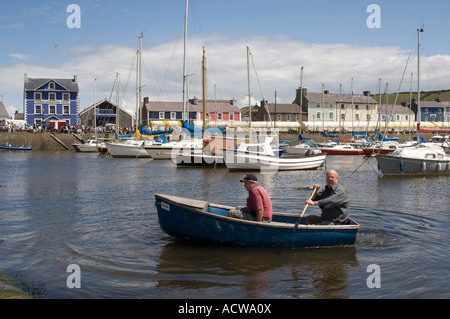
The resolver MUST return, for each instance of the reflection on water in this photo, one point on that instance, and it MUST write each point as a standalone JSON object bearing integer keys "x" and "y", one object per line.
{"x": 61, "y": 208}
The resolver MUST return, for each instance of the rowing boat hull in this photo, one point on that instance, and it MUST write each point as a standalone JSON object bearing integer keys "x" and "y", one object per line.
{"x": 200, "y": 221}
{"x": 15, "y": 148}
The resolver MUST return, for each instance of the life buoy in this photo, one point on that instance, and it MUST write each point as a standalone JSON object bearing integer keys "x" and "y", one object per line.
{"x": 424, "y": 167}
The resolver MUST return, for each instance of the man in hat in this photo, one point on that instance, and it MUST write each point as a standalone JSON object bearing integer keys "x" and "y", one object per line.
{"x": 259, "y": 205}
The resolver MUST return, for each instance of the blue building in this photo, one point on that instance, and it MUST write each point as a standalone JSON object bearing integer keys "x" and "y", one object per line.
{"x": 51, "y": 102}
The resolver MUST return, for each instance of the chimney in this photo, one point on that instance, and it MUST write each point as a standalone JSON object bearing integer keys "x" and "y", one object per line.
{"x": 75, "y": 78}
{"x": 25, "y": 77}
{"x": 326, "y": 92}
{"x": 366, "y": 93}
{"x": 145, "y": 100}
{"x": 194, "y": 101}
{"x": 303, "y": 95}
{"x": 438, "y": 99}
{"x": 233, "y": 101}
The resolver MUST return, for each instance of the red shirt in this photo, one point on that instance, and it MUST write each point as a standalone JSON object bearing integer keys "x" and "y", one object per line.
{"x": 259, "y": 199}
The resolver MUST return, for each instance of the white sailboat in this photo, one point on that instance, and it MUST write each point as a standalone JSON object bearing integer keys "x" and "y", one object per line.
{"x": 132, "y": 147}
{"x": 422, "y": 159}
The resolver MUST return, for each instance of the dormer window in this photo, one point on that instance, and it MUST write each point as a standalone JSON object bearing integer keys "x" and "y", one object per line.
{"x": 51, "y": 86}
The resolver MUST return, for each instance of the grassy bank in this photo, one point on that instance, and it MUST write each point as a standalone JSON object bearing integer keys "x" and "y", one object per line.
{"x": 8, "y": 290}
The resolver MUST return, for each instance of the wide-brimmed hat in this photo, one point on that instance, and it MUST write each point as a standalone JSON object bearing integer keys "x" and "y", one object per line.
{"x": 249, "y": 177}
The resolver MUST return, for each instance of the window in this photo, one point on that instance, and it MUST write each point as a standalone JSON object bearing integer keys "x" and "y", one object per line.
{"x": 298, "y": 117}
{"x": 219, "y": 116}
{"x": 66, "y": 96}
{"x": 356, "y": 107}
{"x": 343, "y": 106}
{"x": 343, "y": 117}
{"x": 368, "y": 117}
{"x": 231, "y": 116}
{"x": 51, "y": 86}
{"x": 406, "y": 117}
{"x": 161, "y": 115}
{"x": 66, "y": 109}
{"x": 52, "y": 109}
{"x": 37, "y": 122}
{"x": 318, "y": 115}
{"x": 331, "y": 116}
{"x": 37, "y": 96}
{"x": 357, "y": 117}
{"x": 37, "y": 109}
{"x": 288, "y": 117}
{"x": 318, "y": 105}
{"x": 279, "y": 117}
{"x": 367, "y": 107}
{"x": 52, "y": 96}
{"x": 173, "y": 115}
{"x": 398, "y": 118}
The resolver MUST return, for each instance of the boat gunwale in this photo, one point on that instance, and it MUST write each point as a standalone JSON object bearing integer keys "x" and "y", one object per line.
{"x": 177, "y": 201}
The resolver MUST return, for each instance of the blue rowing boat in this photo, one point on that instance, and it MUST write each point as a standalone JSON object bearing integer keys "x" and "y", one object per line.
{"x": 15, "y": 148}
{"x": 205, "y": 222}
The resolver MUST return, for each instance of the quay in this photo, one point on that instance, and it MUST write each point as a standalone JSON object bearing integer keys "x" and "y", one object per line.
{"x": 45, "y": 141}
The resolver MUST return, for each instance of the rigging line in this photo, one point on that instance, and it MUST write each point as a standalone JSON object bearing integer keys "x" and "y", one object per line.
{"x": 260, "y": 88}
{"x": 396, "y": 97}
{"x": 129, "y": 76}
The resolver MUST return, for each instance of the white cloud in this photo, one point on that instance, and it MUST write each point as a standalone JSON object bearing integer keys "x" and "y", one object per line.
{"x": 277, "y": 60}
{"x": 19, "y": 56}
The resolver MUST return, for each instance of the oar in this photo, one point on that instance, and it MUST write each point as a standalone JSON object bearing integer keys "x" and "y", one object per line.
{"x": 301, "y": 216}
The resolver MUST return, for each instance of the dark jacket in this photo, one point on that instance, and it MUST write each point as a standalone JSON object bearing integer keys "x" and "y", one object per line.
{"x": 334, "y": 203}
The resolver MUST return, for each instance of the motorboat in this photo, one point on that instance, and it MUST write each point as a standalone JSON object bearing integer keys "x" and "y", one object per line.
{"x": 342, "y": 149}
{"x": 260, "y": 156}
{"x": 416, "y": 160}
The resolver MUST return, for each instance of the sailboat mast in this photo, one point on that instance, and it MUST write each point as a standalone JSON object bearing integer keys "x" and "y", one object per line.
{"x": 418, "y": 75}
{"x": 204, "y": 92}
{"x": 301, "y": 99}
{"x": 95, "y": 109}
{"x": 139, "y": 97}
{"x": 184, "y": 60}
{"x": 249, "y": 95}
{"x": 118, "y": 105}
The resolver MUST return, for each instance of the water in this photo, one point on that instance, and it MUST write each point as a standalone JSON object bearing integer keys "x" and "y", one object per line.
{"x": 63, "y": 208}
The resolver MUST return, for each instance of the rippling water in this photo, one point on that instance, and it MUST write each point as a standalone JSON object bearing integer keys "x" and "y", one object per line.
{"x": 62, "y": 208}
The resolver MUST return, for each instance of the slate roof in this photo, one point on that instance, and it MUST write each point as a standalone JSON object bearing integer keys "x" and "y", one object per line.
{"x": 32, "y": 84}
{"x": 220, "y": 106}
{"x": 337, "y": 98}
{"x": 398, "y": 109}
{"x": 3, "y": 111}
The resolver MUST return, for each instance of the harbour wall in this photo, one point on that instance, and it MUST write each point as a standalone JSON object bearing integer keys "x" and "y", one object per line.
{"x": 45, "y": 141}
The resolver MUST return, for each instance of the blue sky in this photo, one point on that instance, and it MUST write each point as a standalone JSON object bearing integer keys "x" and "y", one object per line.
{"x": 330, "y": 39}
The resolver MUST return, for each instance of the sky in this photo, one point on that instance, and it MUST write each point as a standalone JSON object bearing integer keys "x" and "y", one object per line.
{"x": 341, "y": 45}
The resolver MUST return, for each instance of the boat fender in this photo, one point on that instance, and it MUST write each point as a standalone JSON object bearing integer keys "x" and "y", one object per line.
{"x": 438, "y": 167}
{"x": 448, "y": 167}
{"x": 424, "y": 166}
{"x": 401, "y": 166}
